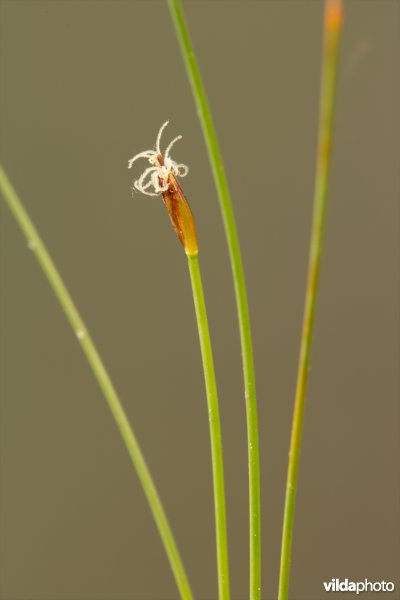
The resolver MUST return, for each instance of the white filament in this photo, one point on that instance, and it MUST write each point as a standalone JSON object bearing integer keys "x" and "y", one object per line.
{"x": 156, "y": 176}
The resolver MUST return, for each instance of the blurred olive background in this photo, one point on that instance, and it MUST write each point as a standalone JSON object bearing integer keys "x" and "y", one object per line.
{"x": 84, "y": 86}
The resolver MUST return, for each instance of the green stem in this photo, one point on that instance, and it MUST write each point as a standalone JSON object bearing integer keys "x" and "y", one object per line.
{"x": 328, "y": 88}
{"x": 103, "y": 379}
{"x": 215, "y": 428}
{"x": 240, "y": 290}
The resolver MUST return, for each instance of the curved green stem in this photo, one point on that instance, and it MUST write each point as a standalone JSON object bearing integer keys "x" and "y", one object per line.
{"x": 215, "y": 428}
{"x": 103, "y": 379}
{"x": 328, "y": 87}
{"x": 240, "y": 290}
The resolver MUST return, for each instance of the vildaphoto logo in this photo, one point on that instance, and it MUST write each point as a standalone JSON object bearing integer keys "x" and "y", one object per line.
{"x": 345, "y": 585}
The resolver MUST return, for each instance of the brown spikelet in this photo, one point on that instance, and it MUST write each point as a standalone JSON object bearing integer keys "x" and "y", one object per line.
{"x": 181, "y": 216}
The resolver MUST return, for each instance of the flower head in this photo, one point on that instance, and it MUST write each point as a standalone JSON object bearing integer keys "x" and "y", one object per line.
{"x": 156, "y": 177}
{"x": 162, "y": 178}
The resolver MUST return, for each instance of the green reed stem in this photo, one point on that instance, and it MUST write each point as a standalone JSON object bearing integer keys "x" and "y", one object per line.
{"x": 332, "y": 28}
{"x": 231, "y": 233}
{"x": 103, "y": 379}
{"x": 215, "y": 428}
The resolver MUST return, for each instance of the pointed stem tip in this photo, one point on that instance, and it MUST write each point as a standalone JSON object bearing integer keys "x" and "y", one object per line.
{"x": 334, "y": 14}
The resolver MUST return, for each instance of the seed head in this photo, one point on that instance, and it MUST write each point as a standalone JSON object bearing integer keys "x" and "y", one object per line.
{"x": 161, "y": 177}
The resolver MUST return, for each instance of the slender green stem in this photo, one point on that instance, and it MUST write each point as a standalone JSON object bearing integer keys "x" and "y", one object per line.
{"x": 215, "y": 428}
{"x": 328, "y": 87}
{"x": 240, "y": 290}
{"x": 103, "y": 379}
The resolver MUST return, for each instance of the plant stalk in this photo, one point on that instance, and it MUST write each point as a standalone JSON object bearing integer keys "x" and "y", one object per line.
{"x": 232, "y": 237}
{"x": 215, "y": 428}
{"x": 99, "y": 371}
{"x": 332, "y": 29}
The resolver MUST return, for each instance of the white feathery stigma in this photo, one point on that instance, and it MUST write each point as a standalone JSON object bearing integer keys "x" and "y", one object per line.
{"x": 156, "y": 177}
